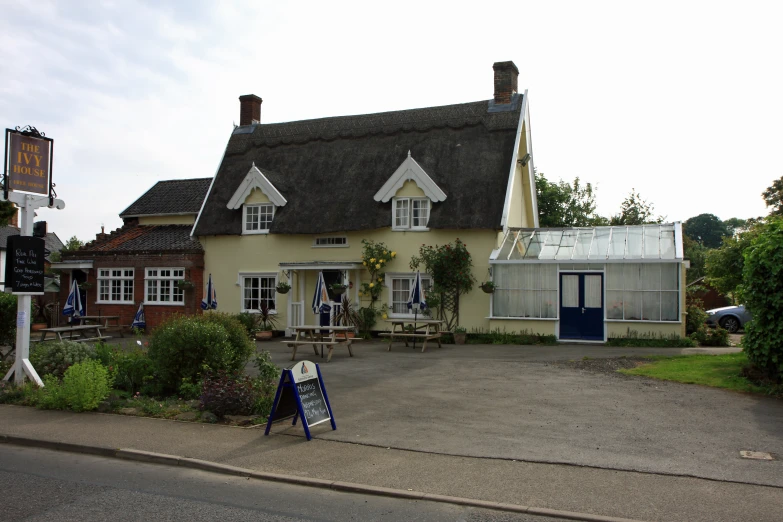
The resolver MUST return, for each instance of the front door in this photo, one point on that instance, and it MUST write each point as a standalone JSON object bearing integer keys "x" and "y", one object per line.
{"x": 582, "y": 307}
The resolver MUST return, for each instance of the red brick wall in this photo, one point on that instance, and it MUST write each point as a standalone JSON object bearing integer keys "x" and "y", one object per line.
{"x": 154, "y": 314}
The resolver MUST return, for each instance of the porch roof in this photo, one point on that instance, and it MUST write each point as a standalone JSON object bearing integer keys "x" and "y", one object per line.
{"x": 658, "y": 242}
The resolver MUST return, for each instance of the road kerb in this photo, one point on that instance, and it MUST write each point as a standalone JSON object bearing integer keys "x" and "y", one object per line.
{"x": 203, "y": 465}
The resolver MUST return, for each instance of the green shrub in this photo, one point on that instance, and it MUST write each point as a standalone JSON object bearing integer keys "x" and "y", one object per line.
{"x": 182, "y": 346}
{"x": 634, "y": 339}
{"x": 695, "y": 318}
{"x": 55, "y": 357}
{"x": 189, "y": 390}
{"x": 7, "y": 319}
{"x": 497, "y": 336}
{"x": 83, "y": 387}
{"x": 248, "y": 322}
{"x": 24, "y": 395}
{"x": 128, "y": 369}
{"x": 711, "y": 336}
{"x": 762, "y": 290}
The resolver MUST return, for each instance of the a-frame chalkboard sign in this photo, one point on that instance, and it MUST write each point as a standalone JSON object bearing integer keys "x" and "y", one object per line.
{"x": 301, "y": 393}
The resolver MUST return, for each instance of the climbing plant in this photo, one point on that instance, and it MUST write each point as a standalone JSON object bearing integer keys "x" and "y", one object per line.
{"x": 450, "y": 267}
{"x": 375, "y": 257}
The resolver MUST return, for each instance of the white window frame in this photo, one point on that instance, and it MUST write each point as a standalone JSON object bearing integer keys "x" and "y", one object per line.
{"x": 389, "y": 282}
{"x": 115, "y": 277}
{"x": 244, "y": 276}
{"x": 329, "y": 242}
{"x": 158, "y": 279}
{"x": 408, "y": 225}
{"x": 258, "y": 206}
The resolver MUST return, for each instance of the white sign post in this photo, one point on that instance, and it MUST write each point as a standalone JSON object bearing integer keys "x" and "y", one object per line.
{"x": 27, "y": 203}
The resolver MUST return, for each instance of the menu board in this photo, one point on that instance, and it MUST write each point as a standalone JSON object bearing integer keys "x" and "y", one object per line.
{"x": 301, "y": 393}
{"x": 24, "y": 269}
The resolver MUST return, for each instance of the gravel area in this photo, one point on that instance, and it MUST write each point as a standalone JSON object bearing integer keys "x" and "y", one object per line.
{"x": 607, "y": 366}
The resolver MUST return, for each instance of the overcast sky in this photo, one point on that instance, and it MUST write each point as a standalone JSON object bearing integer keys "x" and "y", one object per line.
{"x": 682, "y": 101}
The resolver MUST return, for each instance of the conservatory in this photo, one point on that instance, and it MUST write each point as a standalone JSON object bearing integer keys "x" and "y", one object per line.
{"x": 590, "y": 283}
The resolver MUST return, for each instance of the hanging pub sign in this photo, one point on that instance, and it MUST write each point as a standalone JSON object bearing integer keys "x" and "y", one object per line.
{"x": 24, "y": 266}
{"x": 28, "y": 161}
{"x": 301, "y": 393}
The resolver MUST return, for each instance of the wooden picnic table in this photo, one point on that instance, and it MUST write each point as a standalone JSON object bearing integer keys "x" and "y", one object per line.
{"x": 105, "y": 320}
{"x": 316, "y": 335}
{"x": 83, "y": 332}
{"x": 405, "y": 329}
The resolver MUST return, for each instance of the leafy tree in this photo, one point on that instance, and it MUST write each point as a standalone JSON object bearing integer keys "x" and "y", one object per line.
{"x": 7, "y": 211}
{"x": 566, "y": 205}
{"x": 635, "y": 211}
{"x": 736, "y": 225}
{"x": 724, "y": 265}
{"x": 696, "y": 253}
{"x": 73, "y": 244}
{"x": 773, "y": 197}
{"x": 762, "y": 290}
{"x": 451, "y": 268}
{"x": 707, "y": 229}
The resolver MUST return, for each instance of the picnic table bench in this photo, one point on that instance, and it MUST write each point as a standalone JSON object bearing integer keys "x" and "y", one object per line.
{"x": 315, "y": 335}
{"x": 83, "y": 333}
{"x": 406, "y": 329}
{"x": 106, "y": 320}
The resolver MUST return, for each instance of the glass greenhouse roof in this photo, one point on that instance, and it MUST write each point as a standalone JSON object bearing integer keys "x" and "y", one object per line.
{"x": 599, "y": 244}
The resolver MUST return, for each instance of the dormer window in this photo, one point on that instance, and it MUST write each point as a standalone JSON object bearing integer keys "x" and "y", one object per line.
{"x": 411, "y": 213}
{"x": 258, "y": 218}
{"x": 259, "y": 200}
{"x": 412, "y": 193}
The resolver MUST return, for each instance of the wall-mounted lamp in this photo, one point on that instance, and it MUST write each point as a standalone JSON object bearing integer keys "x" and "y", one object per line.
{"x": 524, "y": 159}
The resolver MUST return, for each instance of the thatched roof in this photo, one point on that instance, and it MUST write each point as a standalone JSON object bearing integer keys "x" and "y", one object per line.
{"x": 329, "y": 169}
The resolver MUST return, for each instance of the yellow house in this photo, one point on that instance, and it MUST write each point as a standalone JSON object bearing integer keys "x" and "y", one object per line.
{"x": 292, "y": 200}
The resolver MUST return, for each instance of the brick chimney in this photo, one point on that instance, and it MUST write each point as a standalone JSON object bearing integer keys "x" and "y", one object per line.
{"x": 506, "y": 74}
{"x": 249, "y": 109}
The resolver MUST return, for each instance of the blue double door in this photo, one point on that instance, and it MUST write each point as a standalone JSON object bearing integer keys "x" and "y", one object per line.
{"x": 582, "y": 306}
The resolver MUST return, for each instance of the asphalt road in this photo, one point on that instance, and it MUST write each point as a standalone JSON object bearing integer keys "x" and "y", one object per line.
{"x": 38, "y": 484}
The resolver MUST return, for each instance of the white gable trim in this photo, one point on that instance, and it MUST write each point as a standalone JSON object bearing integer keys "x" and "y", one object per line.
{"x": 410, "y": 170}
{"x": 513, "y": 170}
{"x": 255, "y": 179}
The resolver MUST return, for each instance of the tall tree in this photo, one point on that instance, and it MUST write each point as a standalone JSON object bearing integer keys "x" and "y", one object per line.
{"x": 735, "y": 225}
{"x": 73, "y": 244}
{"x": 707, "y": 229}
{"x": 7, "y": 211}
{"x": 696, "y": 254}
{"x": 564, "y": 204}
{"x": 635, "y": 211}
{"x": 724, "y": 265}
{"x": 773, "y": 197}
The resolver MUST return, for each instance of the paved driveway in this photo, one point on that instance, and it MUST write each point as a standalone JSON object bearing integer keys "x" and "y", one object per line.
{"x": 515, "y": 402}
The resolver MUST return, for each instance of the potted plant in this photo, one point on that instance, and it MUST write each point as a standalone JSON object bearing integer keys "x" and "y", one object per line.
{"x": 184, "y": 284}
{"x": 265, "y": 322}
{"x": 86, "y": 285}
{"x": 488, "y": 287}
{"x": 338, "y": 288}
{"x": 282, "y": 287}
{"x": 460, "y": 335}
{"x": 347, "y": 315}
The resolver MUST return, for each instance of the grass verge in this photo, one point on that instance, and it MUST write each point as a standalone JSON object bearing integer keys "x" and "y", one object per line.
{"x": 718, "y": 371}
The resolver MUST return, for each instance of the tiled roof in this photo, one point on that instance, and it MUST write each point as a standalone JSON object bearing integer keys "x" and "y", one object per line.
{"x": 144, "y": 238}
{"x": 175, "y": 196}
{"x": 329, "y": 169}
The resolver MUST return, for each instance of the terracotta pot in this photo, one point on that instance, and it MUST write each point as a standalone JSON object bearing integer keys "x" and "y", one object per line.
{"x": 460, "y": 338}
{"x": 264, "y": 335}
{"x": 37, "y": 327}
